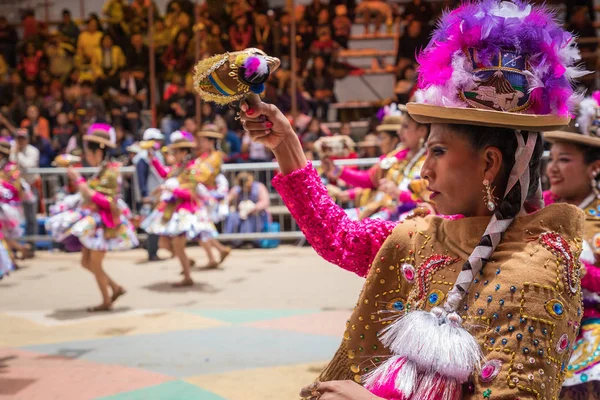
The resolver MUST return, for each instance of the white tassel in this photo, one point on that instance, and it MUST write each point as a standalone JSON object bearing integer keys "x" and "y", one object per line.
{"x": 435, "y": 341}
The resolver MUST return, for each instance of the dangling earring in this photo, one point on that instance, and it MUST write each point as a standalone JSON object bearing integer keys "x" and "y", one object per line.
{"x": 421, "y": 142}
{"x": 489, "y": 198}
{"x": 594, "y": 183}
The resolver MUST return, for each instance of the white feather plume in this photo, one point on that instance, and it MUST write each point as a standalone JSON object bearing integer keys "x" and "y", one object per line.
{"x": 587, "y": 113}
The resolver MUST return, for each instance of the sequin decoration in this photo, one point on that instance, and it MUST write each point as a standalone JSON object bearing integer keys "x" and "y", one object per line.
{"x": 435, "y": 298}
{"x": 490, "y": 370}
{"x": 336, "y": 237}
{"x": 555, "y": 308}
{"x": 396, "y": 304}
{"x": 562, "y": 344}
{"x": 408, "y": 270}
{"x": 558, "y": 246}
{"x": 427, "y": 269}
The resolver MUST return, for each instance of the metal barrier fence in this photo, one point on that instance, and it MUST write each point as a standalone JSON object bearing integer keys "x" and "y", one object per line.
{"x": 54, "y": 181}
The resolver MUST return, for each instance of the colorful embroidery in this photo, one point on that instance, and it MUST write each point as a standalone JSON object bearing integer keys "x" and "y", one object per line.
{"x": 555, "y": 308}
{"x": 408, "y": 270}
{"x": 490, "y": 370}
{"x": 426, "y": 271}
{"x": 397, "y": 304}
{"x": 563, "y": 343}
{"x": 558, "y": 246}
{"x": 435, "y": 298}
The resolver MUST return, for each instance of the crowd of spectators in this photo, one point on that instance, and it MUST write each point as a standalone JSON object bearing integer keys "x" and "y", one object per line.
{"x": 57, "y": 78}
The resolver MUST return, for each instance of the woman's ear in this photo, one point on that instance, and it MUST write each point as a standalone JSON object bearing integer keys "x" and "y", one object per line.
{"x": 594, "y": 169}
{"x": 492, "y": 158}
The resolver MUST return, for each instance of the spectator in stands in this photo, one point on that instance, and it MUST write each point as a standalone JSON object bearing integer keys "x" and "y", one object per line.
{"x": 55, "y": 103}
{"x": 583, "y": 27}
{"x": 377, "y": 10}
{"x": 573, "y": 5}
{"x": 59, "y": 56}
{"x": 162, "y": 37}
{"x": 138, "y": 55}
{"x": 31, "y": 26}
{"x": 9, "y": 91}
{"x": 413, "y": 39}
{"x": 140, "y": 11}
{"x": 325, "y": 46}
{"x": 319, "y": 84}
{"x": 124, "y": 139}
{"x": 114, "y": 10}
{"x": 62, "y": 132}
{"x": 284, "y": 101}
{"x": 177, "y": 57}
{"x": 323, "y": 19}
{"x": 251, "y": 202}
{"x": 262, "y": 37}
{"x": 88, "y": 101}
{"x": 132, "y": 81}
{"x": 27, "y": 156}
{"x": 346, "y": 130}
{"x": 341, "y": 25}
{"x": 282, "y": 40}
{"x": 20, "y": 106}
{"x": 125, "y": 112}
{"x": 311, "y": 13}
{"x": 418, "y": 10}
{"x": 257, "y": 152}
{"x": 215, "y": 40}
{"x": 8, "y": 42}
{"x": 30, "y": 62}
{"x": 311, "y": 134}
{"x": 88, "y": 42}
{"x": 240, "y": 34}
{"x": 406, "y": 84}
{"x": 44, "y": 146}
{"x": 39, "y": 125}
{"x": 180, "y": 106}
{"x": 107, "y": 63}
{"x": 68, "y": 28}
{"x": 209, "y": 114}
{"x": 186, "y": 6}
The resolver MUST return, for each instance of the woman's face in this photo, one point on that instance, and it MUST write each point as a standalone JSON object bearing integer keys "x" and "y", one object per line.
{"x": 179, "y": 155}
{"x": 182, "y": 39}
{"x": 107, "y": 42}
{"x": 412, "y": 134}
{"x": 455, "y": 171}
{"x": 319, "y": 63}
{"x": 205, "y": 144}
{"x": 92, "y": 25}
{"x": 314, "y": 126}
{"x": 387, "y": 143}
{"x": 568, "y": 173}
{"x": 323, "y": 16}
{"x": 92, "y": 157}
{"x": 241, "y": 21}
{"x": 206, "y": 109}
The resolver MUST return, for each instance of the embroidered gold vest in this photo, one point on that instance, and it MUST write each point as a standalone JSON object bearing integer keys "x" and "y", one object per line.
{"x": 524, "y": 308}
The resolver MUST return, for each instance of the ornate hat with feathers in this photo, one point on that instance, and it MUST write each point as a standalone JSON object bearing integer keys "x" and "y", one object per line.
{"x": 499, "y": 63}
{"x": 585, "y": 130}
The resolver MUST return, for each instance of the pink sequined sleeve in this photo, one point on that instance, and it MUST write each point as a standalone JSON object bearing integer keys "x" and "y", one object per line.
{"x": 352, "y": 245}
{"x": 184, "y": 194}
{"x": 360, "y": 179}
{"x": 101, "y": 201}
{"x": 162, "y": 170}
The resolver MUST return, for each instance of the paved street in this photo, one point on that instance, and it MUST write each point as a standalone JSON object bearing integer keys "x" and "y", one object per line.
{"x": 260, "y": 328}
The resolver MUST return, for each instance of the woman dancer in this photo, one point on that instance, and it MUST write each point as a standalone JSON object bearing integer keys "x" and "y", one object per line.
{"x": 96, "y": 218}
{"x": 178, "y": 217}
{"x": 13, "y": 190}
{"x": 493, "y": 286}
{"x": 214, "y": 188}
{"x": 574, "y": 171}
{"x": 391, "y": 176}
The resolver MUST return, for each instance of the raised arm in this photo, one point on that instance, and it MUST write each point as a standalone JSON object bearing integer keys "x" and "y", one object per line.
{"x": 161, "y": 169}
{"x": 350, "y": 244}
